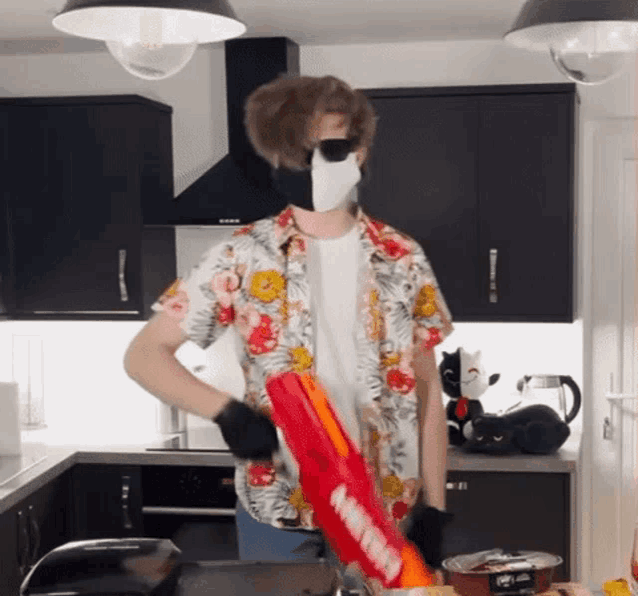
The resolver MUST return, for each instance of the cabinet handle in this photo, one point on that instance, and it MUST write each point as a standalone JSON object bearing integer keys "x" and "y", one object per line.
{"x": 210, "y": 511}
{"x": 33, "y": 559}
{"x": 126, "y": 490}
{"x": 23, "y": 552}
{"x": 456, "y": 486}
{"x": 493, "y": 293}
{"x": 123, "y": 289}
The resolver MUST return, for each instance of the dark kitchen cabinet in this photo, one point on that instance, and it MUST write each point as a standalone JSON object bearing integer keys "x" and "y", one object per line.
{"x": 483, "y": 179}
{"x": 512, "y": 511}
{"x": 85, "y": 175}
{"x": 6, "y": 296}
{"x": 107, "y": 501}
{"x": 32, "y": 528}
{"x": 13, "y": 553}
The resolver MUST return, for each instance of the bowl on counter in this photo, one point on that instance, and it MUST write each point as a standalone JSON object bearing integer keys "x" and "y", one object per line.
{"x": 499, "y": 573}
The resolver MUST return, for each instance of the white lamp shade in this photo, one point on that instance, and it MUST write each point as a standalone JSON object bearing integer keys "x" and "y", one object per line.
{"x": 195, "y": 21}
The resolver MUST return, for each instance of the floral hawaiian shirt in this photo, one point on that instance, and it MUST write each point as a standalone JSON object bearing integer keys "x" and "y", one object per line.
{"x": 257, "y": 281}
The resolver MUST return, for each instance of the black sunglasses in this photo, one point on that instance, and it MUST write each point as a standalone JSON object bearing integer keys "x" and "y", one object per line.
{"x": 335, "y": 149}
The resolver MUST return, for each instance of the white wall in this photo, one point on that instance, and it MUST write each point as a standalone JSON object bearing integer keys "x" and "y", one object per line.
{"x": 85, "y": 385}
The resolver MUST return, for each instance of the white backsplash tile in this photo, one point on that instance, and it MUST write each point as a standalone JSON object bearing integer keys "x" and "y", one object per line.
{"x": 89, "y": 399}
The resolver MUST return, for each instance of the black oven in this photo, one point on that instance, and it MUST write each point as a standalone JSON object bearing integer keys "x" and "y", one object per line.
{"x": 193, "y": 506}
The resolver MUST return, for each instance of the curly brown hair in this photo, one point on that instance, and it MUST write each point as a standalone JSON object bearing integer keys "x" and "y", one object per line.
{"x": 279, "y": 116}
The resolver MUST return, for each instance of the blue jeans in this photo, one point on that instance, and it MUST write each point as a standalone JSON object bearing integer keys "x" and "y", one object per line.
{"x": 263, "y": 542}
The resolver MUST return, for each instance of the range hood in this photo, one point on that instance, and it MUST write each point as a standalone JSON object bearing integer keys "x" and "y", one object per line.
{"x": 237, "y": 189}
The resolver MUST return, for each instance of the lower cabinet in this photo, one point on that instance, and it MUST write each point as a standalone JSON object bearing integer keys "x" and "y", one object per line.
{"x": 512, "y": 511}
{"x": 32, "y": 528}
{"x": 509, "y": 510}
{"x": 13, "y": 553}
{"x": 106, "y": 501}
{"x": 88, "y": 501}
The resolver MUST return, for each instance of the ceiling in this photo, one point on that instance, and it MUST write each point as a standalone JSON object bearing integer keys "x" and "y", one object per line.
{"x": 25, "y": 25}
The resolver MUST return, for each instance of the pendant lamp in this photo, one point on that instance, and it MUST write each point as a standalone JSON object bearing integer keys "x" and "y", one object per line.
{"x": 151, "y": 39}
{"x": 590, "y": 41}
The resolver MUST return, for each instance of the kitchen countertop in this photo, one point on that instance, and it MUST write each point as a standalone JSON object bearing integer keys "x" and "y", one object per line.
{"x": 42, "y": 463}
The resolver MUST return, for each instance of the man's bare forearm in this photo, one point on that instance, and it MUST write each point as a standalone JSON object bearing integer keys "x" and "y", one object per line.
{"x": 435, "y": 444}
{"x": 158, "y": 371}
{"x": 433, "y": 428}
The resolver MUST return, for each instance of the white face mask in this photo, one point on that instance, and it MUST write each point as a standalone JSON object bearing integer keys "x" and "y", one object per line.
{"x": 333, "y": 181}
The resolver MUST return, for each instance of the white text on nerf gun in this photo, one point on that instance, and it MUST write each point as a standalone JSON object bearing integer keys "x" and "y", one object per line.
{"x": 361, "y": 526}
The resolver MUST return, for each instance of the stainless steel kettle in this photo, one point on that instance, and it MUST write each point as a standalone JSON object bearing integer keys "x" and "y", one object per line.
{"x": 549, "y": 390}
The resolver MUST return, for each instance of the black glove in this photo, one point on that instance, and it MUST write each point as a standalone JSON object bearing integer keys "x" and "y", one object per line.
{"x": 425, "y": 529}
{"x": 249, "y": 433}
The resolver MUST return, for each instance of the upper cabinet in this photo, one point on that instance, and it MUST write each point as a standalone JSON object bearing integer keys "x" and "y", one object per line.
{"x": 5, "y": 249}
{"x": 83, "y": 173}
{"x": 483, "y": 179}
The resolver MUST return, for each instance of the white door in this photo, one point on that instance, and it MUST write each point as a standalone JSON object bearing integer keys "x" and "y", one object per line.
{"x": 609, "y": 262}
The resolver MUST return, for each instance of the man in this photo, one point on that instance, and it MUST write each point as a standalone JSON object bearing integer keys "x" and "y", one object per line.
{"x": 320, "y": 287}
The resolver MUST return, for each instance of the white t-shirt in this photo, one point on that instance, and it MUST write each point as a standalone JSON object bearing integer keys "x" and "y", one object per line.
{"x": 333, "y": 269}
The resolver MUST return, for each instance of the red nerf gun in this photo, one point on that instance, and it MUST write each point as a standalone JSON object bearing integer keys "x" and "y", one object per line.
{"x": 335, "y": 479}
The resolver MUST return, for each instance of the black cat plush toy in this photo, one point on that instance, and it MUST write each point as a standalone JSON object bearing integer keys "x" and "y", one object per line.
{"x": 464, "y": 380}
{"x": 536, "y": 429}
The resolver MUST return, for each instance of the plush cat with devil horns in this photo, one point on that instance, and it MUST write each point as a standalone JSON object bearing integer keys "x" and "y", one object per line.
{"x": 464, "y": 380}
